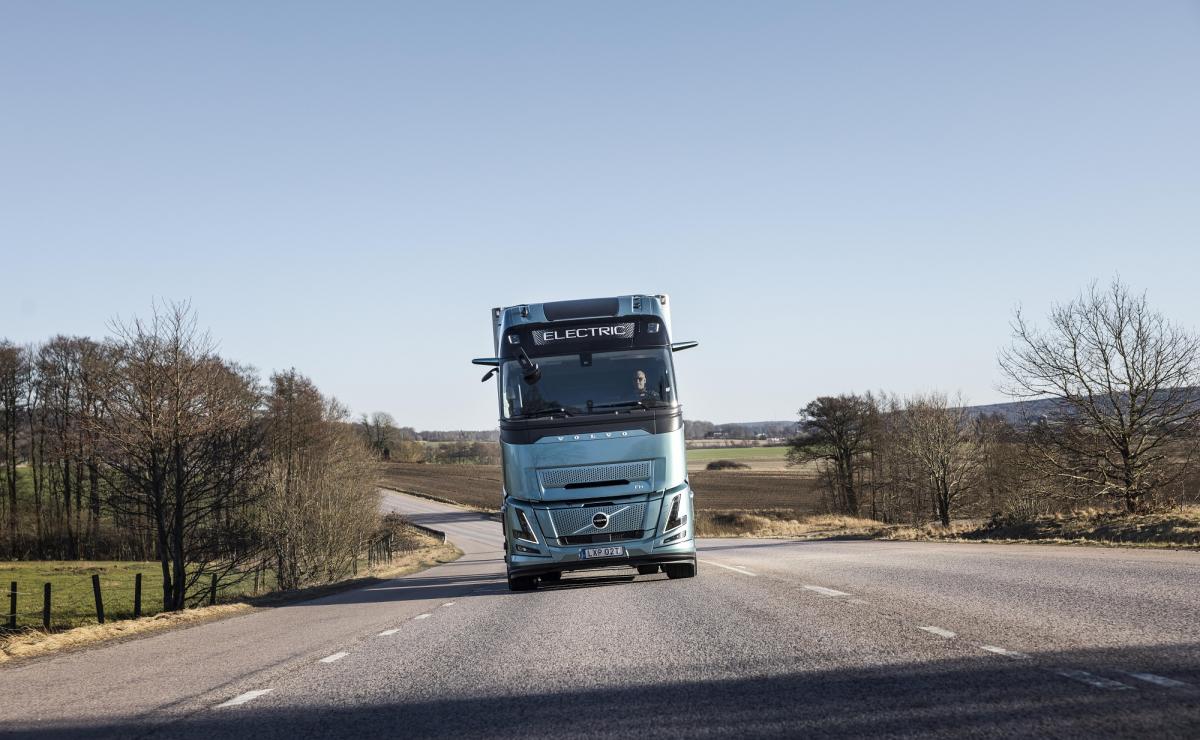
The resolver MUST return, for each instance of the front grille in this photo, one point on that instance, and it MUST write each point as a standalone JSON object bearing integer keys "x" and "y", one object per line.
{"x": 562, "y": 477}
{"x": 578, "y": 520}
{"x": 587, "y": 539}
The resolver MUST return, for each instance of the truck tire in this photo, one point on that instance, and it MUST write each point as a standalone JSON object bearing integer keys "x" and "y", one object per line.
{"x": 680, "y": 570}
{"x": 646, "y": 570}
{"x": 522, "y": 583}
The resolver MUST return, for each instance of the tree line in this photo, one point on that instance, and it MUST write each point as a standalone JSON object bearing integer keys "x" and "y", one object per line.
{"x": 391, "y": 443}
{"x": 1117, "y": 422}
{"x": 149, "y": 445}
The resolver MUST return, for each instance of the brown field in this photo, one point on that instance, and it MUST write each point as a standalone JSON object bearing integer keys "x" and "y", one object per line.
{"x": 479, "y": 486}
{"x": 471, "y": 485}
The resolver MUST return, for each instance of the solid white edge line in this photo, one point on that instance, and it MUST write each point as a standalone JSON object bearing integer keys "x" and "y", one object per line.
{"x": 385, "y": 633}
{"x": 1169, "y": 683}
{"x": 826, "y": 591}
{"x": 730, "y": 567}
{"x": 1092, "y": 679}
{"x": 243, "y": 698}
{"x": 422, "y": 616}
{"x": 331, "y": 658}
{"x": 1003, "y": 651}
{"x": 938, "y": 631}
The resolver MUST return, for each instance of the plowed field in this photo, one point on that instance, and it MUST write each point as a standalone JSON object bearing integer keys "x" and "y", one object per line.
{"x": 479, "y": 486}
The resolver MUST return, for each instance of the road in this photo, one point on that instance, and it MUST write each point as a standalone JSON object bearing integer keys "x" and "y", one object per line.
{"x": 774, "y": 638}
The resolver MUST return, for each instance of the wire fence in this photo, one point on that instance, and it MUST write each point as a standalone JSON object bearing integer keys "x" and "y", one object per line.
{"x": 62, "y": 595}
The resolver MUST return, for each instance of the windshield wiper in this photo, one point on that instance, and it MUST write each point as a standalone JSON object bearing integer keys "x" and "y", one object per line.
{"x": 543, "y": 412}
{"x": 622, "y": 405}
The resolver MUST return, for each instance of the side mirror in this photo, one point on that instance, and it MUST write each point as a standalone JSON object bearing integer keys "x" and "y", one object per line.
{"x": 681, "y": 346}
{"x": 489, "y": 375}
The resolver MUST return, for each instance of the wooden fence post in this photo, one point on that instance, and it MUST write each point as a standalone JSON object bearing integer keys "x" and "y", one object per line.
{"x": 99, "y": 600}
{"x": 212, "y": 591}
{"x": 137, "y": 595}
{"x": 12, "y": 605}
{"x": 46, "y": 607}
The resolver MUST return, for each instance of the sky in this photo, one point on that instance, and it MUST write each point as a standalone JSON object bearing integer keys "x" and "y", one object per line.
{"x": 837, "y": 196}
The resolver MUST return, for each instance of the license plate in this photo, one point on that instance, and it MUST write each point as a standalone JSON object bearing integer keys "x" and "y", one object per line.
{"x": 588, "y": 553}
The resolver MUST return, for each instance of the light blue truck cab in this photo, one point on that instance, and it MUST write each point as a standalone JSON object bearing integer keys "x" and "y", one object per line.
{"x": 591, "y": 438}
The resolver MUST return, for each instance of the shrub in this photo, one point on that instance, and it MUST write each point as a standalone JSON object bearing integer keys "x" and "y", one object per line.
{"x": 726, "y": 465}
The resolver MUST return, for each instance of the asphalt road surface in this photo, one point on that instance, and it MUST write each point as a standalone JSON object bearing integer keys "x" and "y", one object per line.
{"x": 773, "y": 638}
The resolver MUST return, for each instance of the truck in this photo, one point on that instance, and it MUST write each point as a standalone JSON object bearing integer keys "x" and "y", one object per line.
{"x": 591, "y": 438}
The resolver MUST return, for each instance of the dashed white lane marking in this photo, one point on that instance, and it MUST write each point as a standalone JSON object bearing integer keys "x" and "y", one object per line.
{"x": 243, "y": 698}
{"x": 734, "y": 568}
{"x": 448, "y": 603}
{"x": 331, "y": 658}
{"x": 1169, "y": 683}
{"x": 938, "y": 631}
{"x": 1092, "y": 679}
{"x": 421, "y": 616}
{"x": 826, "y": 591}
{"x": 1003, "y": 651}
{"x": 385, "y": 633}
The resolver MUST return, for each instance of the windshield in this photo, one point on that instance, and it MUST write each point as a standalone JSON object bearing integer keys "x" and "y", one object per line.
{"x": 590, "y": 382}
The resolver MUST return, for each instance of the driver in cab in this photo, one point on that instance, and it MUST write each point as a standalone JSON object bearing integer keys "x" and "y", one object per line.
{"x": 644, "y": 394}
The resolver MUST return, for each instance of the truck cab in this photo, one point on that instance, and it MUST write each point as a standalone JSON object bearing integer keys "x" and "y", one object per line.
{"x": 592, "y": 440}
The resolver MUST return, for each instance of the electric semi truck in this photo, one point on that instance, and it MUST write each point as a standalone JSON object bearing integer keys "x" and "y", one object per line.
{"x": 591, "y": 438}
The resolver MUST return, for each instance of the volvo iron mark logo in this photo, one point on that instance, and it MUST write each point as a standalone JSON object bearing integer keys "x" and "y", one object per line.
{"x": 600, "y": 521}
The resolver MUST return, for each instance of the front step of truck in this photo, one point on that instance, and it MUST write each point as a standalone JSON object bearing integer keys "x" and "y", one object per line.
{"x": 672, "y": 571}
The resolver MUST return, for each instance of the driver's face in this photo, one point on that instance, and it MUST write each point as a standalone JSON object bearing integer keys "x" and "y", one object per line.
{"x": 639, "y": 380}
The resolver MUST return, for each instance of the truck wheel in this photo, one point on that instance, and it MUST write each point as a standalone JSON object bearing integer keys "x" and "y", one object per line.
{"x": 646, "y": 570}
{"x": 522, "y": 583}
{"x": 680, "y": 570}
{"x": 552, "y": 577}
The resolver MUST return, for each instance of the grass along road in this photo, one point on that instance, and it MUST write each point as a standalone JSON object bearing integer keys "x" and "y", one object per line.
{"x": 73, "y": 603}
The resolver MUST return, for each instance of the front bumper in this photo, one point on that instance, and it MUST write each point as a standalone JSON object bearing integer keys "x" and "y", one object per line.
{"x": 532, "y": 565}
{"x": 548, "y": 554}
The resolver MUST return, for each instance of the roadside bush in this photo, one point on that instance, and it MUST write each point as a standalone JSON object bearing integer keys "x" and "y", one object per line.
{"x": 726, "y": 465}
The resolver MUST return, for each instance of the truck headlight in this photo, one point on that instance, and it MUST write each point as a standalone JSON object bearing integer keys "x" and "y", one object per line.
{"x": 673, "y": 519}
{"x": 524, "y": 531}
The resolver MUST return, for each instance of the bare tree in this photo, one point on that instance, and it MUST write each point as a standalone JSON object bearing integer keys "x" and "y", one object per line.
{"x": 941, "y": 441}
{"x": 179, "y": 442}
{"x": 14, "y": 380}
{"x": 68, "y": 370}
{"x": 379, "y": 430}
{"x": 836, "y": 429}
{"x": 321, "y": 504}
{"x": 1004, "y": 484}
{"x": 1123, "y": 378}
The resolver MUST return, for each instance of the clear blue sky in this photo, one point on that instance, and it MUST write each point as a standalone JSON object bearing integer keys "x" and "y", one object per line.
{"x": 838, "y": 196}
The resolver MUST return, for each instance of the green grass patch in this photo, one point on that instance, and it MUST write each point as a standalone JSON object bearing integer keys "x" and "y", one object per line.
{"x": 72, "y": 603}
{"x": 741, "y": 454}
